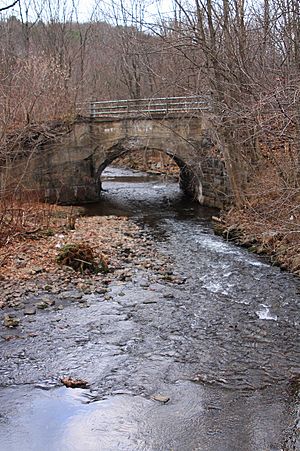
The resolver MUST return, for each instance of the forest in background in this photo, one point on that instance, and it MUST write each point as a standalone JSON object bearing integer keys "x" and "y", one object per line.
{"x": 245, "y": 55}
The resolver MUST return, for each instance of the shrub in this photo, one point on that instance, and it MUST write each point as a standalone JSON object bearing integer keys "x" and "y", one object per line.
{"x": 81, "y": 258}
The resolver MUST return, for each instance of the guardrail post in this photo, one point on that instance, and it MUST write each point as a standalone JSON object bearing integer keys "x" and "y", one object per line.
{"x": 92, "y": 110}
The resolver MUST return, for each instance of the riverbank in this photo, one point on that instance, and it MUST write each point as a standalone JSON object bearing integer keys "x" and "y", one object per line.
{"x": 29, "y": 263}
{"x": 268, "y": 223}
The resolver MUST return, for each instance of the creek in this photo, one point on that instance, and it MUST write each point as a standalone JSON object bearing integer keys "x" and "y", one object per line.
{"x": 205, "y": 363}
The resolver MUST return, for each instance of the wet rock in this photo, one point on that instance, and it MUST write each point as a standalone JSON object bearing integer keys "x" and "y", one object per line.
{"x": 49, "y": 301}
{"x": 10, "y": 337}
{"x": 18, "y": 305}
{"x": 169, "y": 296}
{"x": 144, "y": 285}
{"x": 11, "y": 321}
{"x": 33, "y": 334}
{"x": 180, "y": 281}
{"x": 83, "y": 300}
{"x": 101, "y": 290}
{"x": 107, "y": 297}
{"x": 30, "y": 311}
{"x": 160, "y": 398}
{"x": 71, "y": 295}
{"x": 167, "y": 277}
{"x": 42, "y": 305}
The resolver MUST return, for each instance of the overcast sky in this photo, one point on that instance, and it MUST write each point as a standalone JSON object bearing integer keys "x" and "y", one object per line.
{"x": 85, "y": 8}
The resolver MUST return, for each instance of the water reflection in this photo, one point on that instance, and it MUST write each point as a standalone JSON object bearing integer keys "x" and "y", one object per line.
{"x": 195, "y": 418}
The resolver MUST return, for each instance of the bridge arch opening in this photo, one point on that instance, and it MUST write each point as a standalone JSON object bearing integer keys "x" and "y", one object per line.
{"x": 158, "y": 160}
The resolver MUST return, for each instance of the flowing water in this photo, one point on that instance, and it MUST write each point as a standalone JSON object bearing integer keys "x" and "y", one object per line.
{"x": 203, "y": 364}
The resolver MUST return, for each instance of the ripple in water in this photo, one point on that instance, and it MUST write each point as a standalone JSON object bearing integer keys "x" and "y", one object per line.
{"x": 265, "y": 313}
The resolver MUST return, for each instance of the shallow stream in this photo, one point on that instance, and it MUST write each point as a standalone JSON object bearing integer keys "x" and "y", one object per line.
{"x": 206, "y": 363}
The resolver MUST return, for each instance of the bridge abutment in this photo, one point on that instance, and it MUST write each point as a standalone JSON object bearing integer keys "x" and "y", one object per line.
{"x": 68, "y": 171}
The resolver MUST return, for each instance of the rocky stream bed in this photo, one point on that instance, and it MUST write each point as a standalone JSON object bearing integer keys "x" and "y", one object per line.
{"x": 187, "y": 343}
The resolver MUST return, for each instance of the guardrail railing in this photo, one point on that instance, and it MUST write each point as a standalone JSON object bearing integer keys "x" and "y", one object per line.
{"x": 162, "y": 106}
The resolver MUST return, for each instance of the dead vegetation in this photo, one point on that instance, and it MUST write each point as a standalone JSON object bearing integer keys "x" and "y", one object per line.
{"x": 151, "y": 161}
{"x": 269, "y": 220}
{"x": 31, "y": 137}
{"x": 24, "y": 218}
{"x": 81, "y": 258}
{"x": 71, "y": 382}
{"x": 25, "y": 256}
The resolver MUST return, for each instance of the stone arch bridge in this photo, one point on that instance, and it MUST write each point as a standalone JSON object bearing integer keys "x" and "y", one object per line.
{"x": 68, "y": 169}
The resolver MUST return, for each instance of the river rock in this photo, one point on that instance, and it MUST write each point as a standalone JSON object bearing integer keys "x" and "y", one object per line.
{"x": 42, "y": 305}
{"x": 71, "y": 295}
{"x": 169, "y": 296}
{"x": 35, "y": 270}
{"x": 161, "y": 398}
{"x": 11, "y": 321}
{"x": 48, "y": 301}
{"x": 30, "y": 311}
{"x": 18, "y": 305}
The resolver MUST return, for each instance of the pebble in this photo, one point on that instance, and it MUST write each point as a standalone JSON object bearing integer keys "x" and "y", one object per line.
{"x": 49, "y": 301}
{"x": 30, "y": 311}
{"x": 35, "y": 270}
{"x": 19, "y": 305}
{"x": 161, "y": 398}
{"x": 11, "y": 321}
{"x": 169, "y": 296}
{"x": 70, "y": 295}
{"x": 42, "y": 305}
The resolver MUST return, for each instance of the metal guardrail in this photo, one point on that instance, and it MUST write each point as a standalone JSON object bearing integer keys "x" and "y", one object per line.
{"x": 162, "y": 106}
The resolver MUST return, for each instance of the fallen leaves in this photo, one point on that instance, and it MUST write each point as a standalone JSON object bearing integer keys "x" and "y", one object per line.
{"x": 99, "y": 233}
{"x": 71, "y": 382}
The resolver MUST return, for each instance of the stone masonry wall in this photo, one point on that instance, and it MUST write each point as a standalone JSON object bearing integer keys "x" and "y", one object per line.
{"x": 69, "y": 170}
